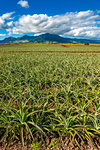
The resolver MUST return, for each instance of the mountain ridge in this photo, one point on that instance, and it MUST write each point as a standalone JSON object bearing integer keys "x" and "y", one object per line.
{"x": 46, "y": 38}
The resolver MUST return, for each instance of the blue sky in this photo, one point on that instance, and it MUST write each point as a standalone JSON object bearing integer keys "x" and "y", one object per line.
{"x": 75, "y": 18}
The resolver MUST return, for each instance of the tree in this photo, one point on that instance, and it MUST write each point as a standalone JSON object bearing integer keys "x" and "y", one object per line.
{"x": 86, "y": 43}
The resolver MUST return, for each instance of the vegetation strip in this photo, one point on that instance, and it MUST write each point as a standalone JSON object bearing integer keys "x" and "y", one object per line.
{"x": 49, "y": 51}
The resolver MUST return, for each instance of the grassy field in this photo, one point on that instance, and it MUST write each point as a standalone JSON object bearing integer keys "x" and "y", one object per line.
{"x": 48, "y": 47}
{"x": 50, "y": 99}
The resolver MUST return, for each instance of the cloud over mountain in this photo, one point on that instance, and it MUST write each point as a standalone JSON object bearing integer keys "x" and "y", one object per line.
{"x": 1, "y": 35}
{"x": 78, "y": 24}
{"x": 84, "y": 24}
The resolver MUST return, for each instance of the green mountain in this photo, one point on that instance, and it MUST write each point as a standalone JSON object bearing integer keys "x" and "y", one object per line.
{"x": 46, "y": 38}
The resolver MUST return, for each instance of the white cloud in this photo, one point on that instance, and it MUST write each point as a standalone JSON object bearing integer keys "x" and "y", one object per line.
{"x": 7, "y": 16}
{"x": 1, "y": 21}
{"x": 77, "y": 24}
{"x": 10, "y": 24}
{"x": 23, "y": 3}
{"x": 1, "y": 35}
{"x": 4, "y": 17}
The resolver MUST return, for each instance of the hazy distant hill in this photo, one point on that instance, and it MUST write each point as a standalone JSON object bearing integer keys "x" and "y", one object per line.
{"x": 46, "y": 38}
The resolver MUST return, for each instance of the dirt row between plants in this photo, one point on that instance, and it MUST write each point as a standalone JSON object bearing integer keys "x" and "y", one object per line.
{"x": 49, "y": 51}
{"x": 62, "y": 145}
